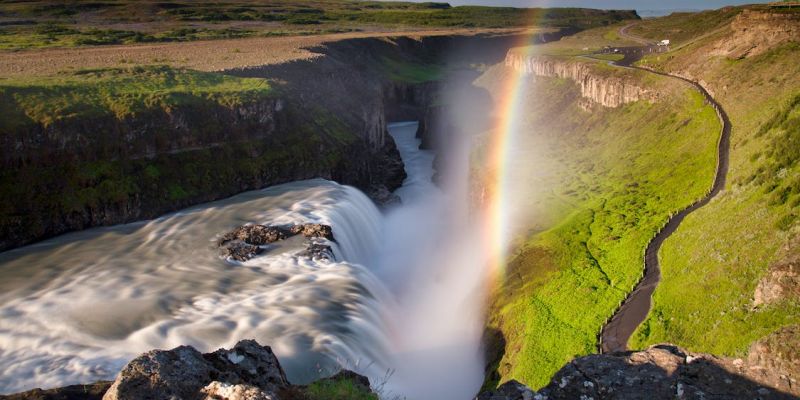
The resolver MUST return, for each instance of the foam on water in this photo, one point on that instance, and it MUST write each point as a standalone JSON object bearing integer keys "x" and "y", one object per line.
{"x": 404, "y": 296}
{"x": 76, "y": 308}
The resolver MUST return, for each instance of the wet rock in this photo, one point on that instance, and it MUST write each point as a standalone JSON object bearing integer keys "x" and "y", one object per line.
{"x": 313, "y": 231}
{"x": 318, "y": 251}
{"x": 183, "y": 373}
{"x": 243, "y": 243}
{"x": 383, "y": 197}
{"x": 660, "y": 372}
{"x": 256, "y": 234}
{"x": 239, "y": 250}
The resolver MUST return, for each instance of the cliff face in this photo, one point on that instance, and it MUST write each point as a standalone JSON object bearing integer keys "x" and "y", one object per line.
{"x": 147, "y": 134}
{"x": 755, "y": 31}
{"x": 326, "y": 118}
{"x": 603, "y": 89}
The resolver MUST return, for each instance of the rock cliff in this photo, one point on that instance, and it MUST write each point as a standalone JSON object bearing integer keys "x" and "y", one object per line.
{"x": 326, "y": 119}
{"x": 756, "y": 31}
{"x": 609, "y": 90}
{"x": 659, "y": 372}
{"x": 248, "y": 371}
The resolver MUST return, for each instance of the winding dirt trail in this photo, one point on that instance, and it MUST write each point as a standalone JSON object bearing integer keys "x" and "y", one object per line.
{"x": 633, "y": 311}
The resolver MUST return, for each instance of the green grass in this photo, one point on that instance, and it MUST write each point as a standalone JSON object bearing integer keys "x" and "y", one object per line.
{"x": 340, "y": 389}
{"x": 585, "y": 42}
{"x": 58, "y": 24}
{"x": 707, "y": 279}
{"x": 712, "y": 264}
{"x": 119, "y": 92}
{"x": 623, "y": 171}
{"x": 681, "y": 28}
{"x": 609, "y": 57}
{"x": 410, "y": 72}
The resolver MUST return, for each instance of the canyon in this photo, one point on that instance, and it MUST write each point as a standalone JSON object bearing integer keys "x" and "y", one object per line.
{"x": 610, "y": 155}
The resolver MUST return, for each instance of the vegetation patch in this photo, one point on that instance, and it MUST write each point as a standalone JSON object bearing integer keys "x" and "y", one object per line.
{"x": 713, "y": 263}
{"x": 339, "y": 389}
{"x": 120, "y": 92}
{"x": 410, "y": 72}
{"x": 56, "y": 24}
{"x": 621, "y": 172}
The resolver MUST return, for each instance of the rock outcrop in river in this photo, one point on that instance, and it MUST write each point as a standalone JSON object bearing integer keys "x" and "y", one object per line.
{"x": 243, "y": 243}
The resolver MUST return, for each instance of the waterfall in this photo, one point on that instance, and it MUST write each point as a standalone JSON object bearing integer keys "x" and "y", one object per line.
{"x": 402, "y": 296}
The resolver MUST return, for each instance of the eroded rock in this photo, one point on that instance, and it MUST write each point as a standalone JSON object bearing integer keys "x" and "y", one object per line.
{"x": 239, "y": 250}
{"x": 775, "y": 360}
{"x": 225, "y": 391}
{"x": 184, "y": 373}
{"x": 243, "y": 243}
{"x": 782, "y": 281}
{"x": 313, "y": 231}
{"x": 318, "y": 251}
{"x": 660, "y": 372}
{"x": 256, "y": 234}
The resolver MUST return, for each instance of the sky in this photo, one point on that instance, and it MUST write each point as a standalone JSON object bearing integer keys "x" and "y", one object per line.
{"x": 610, "y": 4}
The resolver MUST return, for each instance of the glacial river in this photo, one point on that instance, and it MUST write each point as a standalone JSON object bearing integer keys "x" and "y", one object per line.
{"x": 401, "y": 303}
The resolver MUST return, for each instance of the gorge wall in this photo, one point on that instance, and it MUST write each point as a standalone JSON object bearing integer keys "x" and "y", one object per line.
{"x": 609, "y": 90}
{"x": 326, "y": 118}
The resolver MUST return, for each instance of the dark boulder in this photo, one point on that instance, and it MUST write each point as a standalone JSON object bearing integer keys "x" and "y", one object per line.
{"x": 242, "y": 243}
{"x": 239, "y": 250}
{"x": 318, "y": 251}
{"x": 248, "y": 369}
{"x": 256, "y": 234}
{"x": 313, "y": 231}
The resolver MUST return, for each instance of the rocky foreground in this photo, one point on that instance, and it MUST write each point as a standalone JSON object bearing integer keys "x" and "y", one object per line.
{"x": 249, "y": 371}
{"x": 660, "y": 372}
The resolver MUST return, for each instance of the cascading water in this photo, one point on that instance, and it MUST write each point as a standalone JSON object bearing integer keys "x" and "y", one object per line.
{"x": 403, "y": 296}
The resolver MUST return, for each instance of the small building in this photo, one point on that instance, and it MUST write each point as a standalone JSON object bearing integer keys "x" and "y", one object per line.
{"x": 664, "y": 42}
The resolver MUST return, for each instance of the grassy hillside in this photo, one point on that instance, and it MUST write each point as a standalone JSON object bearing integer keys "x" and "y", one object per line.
{"x": 119, "y": 92}
{"x": 48, "y": 23}
{"x": 601, "y": 184}
{"x": 713, "y": 263}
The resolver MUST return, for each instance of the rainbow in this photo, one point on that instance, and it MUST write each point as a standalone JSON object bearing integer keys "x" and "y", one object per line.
{"x": 501, "y": 141}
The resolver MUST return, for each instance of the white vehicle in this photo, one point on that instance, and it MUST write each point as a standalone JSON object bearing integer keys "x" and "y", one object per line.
{"x": 664, "y": 42}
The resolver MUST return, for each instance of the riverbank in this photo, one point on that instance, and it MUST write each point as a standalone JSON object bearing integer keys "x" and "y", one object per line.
{"x": 634, "y": 310}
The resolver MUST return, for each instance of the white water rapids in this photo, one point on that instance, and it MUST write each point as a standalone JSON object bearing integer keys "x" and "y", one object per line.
{"x": 402, "y": 303}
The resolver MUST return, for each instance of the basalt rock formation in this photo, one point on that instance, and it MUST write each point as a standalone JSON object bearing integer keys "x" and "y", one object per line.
{"x": 325, "y": 118}
{"x": 659, "y": 372}
{"x": 607, "y": 90}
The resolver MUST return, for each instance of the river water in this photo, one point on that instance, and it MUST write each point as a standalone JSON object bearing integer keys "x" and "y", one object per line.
{"x": 401, "y": 303}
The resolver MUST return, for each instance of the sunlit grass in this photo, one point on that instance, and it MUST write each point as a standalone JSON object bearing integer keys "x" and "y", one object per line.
{"x": 624, "y": 171}
{"x": 119, "y": 92}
